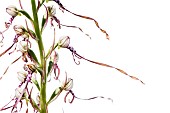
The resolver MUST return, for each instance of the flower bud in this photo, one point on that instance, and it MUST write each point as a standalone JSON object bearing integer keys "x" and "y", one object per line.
{"x": 69, "y": 84}
{"x": 18, "y": 92}
{"x": 23, "y": 46}
{"x": 19, "y": 29}
{"x": 12, "y": 10}
{"x": 64, "y": 41}
{"x": 21, "y": 76}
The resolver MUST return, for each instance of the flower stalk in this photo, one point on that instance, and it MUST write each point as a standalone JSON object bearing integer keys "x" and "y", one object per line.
{"x": 43, "y": 105}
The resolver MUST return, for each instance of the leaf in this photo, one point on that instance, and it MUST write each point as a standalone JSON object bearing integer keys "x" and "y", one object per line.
{"x": 44, "y": 20}
{"x": 36, "y": 83}
{"x": 32, "y": 54}
{"x": 55, "y": 94}
{"x": 32, "y": 34}
{"x": 26, "y": 14}
{"x": 43, "y": 24}
{"x": 50, "y": 65}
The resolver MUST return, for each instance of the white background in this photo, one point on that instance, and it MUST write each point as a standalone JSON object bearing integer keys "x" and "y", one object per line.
{"x": 139, "y": 44}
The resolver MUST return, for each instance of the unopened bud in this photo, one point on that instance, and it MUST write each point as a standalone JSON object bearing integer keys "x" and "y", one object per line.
{"x": 12, "y": 10}
{"x": 69, "y": 84}
{"x": 21, "y": 76}
{"x": 64, "y": 41}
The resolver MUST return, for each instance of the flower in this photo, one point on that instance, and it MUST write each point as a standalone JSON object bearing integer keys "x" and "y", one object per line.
{"x": 18, "y": 92}
{"x": 21, "y": 76}
{"x": 12, "y": 10}
{"x": 19, "y": 29}
{"x": 64, "y": 42}
{"x": 23, "y": 46}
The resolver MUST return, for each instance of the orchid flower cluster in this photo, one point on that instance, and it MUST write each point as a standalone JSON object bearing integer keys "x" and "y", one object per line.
{"x": 48, "y": 61}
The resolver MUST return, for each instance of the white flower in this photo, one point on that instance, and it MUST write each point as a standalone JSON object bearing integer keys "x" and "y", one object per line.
{"x": 21, "y": 76}
{"x": 64, "y": 41}
{"x": 12, "y": 10}
{"x": 18, "y": 92}
{"x": 23, "y": 46}
{"x": 19, "y": 29}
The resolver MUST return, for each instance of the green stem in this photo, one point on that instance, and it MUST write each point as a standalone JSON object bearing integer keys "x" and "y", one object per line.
{"x": 43, "y": 105}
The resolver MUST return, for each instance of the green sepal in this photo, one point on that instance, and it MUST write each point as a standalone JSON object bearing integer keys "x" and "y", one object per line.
{"x": 25, "y": 14}
{"x": 36, "y": 83}
{"x": 43, "y": 23}
{"x": 32, "y": 54}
